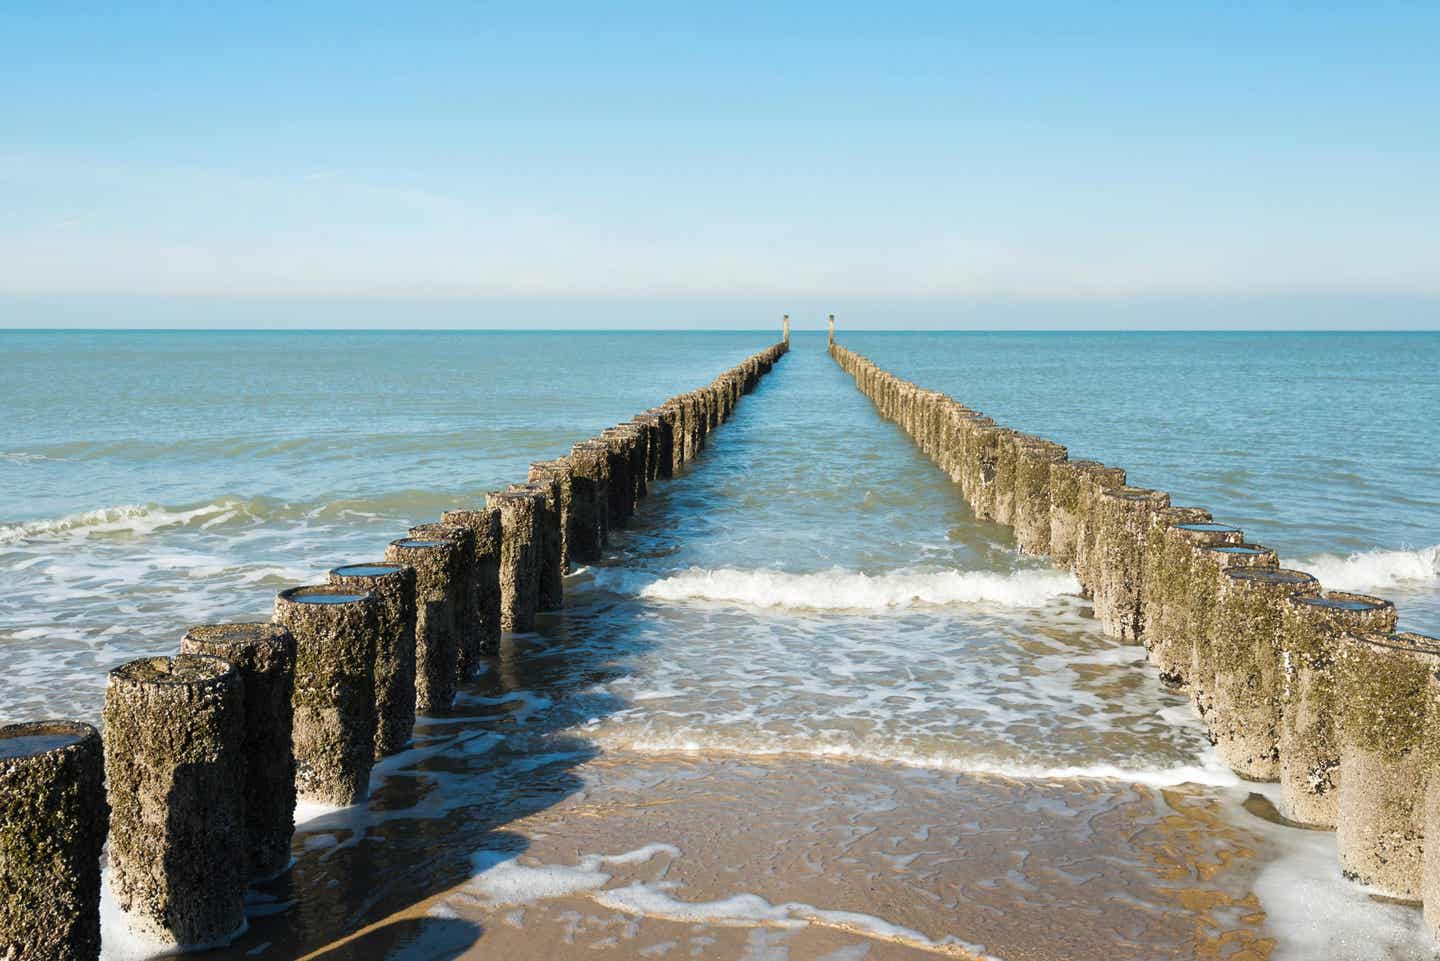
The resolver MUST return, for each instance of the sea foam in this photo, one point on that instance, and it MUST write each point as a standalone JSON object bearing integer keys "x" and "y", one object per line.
{"x": 1375, "y": 570}
{"x": 838, "y": 589}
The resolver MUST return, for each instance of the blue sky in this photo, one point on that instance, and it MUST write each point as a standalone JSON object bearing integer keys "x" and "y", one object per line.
{"x": 929, "y": 162}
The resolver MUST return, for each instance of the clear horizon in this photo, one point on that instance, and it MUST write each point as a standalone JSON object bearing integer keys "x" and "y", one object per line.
{"x": 1054, "y": 165}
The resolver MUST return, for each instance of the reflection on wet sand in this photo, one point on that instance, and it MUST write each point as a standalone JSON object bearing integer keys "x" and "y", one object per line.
{"x": 684, "y": 857}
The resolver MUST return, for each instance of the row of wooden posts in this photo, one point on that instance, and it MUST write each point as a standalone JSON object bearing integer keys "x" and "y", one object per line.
{"x": 1296, "y": 684}
{"x": 205, "y": 753}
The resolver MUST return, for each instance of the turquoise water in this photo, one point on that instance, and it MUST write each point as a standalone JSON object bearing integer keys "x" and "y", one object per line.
{"x": 812, "y": 587}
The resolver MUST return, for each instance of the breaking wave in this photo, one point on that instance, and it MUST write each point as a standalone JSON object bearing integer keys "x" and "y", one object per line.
{"x": 845, "y": 590}
{"x": 1375, "y": 570}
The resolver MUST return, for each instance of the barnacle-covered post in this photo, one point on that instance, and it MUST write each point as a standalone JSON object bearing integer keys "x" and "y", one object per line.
{"x": 1122, "y": 522}
{"x": 1030, "y": 513}
{"x": 1310, "y": 633}
{"x": 53, "y": 819}
{"x": 1245, "y": 645}
{"x": 437, "y": 639}
{"x": 1380, "y": 820}
{"x": 520, "y": 517}
{"x": 1201, "y": 602}
{"x": 1174, "y": 541}
{"x": 264, "y": 654}
{"x": 480, "y": 634}
{"x": 334, "y": 699}
{"x": 175, "y": 775}
{"x": 394, "y": 588}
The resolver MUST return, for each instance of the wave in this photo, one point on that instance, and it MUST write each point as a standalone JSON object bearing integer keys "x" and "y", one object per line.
{"x": 138, "y": 520}
{"x": 845, "y": 590}
{"x": 1375, "y": 570}
{"x": 1208, "y": 772}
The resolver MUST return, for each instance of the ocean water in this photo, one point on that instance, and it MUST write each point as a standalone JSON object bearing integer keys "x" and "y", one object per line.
{"x": 812, "y": 589}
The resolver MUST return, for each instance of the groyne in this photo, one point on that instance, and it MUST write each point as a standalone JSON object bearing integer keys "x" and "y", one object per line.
{"x": 1309, "y": 688}
{"x": 204, "y": 754}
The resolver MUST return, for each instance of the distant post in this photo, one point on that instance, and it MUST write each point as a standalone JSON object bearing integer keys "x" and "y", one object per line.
{"x": 832, "y": 330}
{"x": 785, "y": 329}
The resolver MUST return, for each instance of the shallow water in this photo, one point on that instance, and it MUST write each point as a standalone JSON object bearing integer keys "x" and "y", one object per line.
{"x": 813, "y": 589}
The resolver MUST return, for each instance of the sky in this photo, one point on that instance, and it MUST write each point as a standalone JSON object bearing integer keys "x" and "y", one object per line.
{"x": 948, "y": 164}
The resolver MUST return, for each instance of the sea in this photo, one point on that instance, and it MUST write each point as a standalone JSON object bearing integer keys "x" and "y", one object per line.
{"x": 857, "y": 722}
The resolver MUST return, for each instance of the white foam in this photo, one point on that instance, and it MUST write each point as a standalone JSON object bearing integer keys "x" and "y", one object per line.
{"x": 139, "y": 519}
{"x": 745, "y": 910}
{"x": 502, "y": 880}
{"x": 1208, "y": 772}
{"x": 1313, "y": 912}
{"x": 1375, "y": 570}
{"x": 118, "y": 942}
{"x": 847, "y": 590}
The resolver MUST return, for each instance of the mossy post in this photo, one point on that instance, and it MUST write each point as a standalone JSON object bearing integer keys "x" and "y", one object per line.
{"x": 1123, "y": 519}
{"x": 665, "y": 452}
{"x": 1380, "y": 820}
{"x": 1007, "y": 459}
{"x": 394, "y": 588}
{"x": 629, "y": 442}
{"x": 989, "y": 440}
{"x": 561, "y": 474}
{"x": 1031, "y": 510}
{"x": 1153, "y": 557}
{"x": 676, "y": 409}
{"x": 1091, "y": 484}
{"x": 1174, "y": 538}
{"x": 590, "y": 500}
{"x": 264, "y": 654}
{"x": 549, "y": 569}
{"x": 53, "y": 818}
{"x": 1208, "y": 565}
{"x": 1065, "y": 478}
{"x": 1245, "y": 645}
{"x": 483, "y": 606}
{"x": 650, "y": 423}
{"x": 437, "y": 640}
{"x": 470, "y": 639}
{"x": 832, "y": 330}
{"x": 1310, "y": 632}
{"x": 520, "y": 518}
{"x": 175, "y": 775}
{"x": 335, "y": 718}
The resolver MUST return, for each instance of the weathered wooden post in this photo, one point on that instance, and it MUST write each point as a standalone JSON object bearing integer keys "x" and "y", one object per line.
{"x": 832, "y": 330}
{"x": 1208, "y": 565}
{"x": 480, "y": 635}
{"x": 665, "y": 453}
{"x": 520, "y": 509}
{"x": 785, "y": 329}
{"x": 549, "y": 572}
{"x": 1174, "y": 537}
{"x": 264, "y": 654}
{"x": 334, "y": 690}
{"x": 1122, "y": 521}
{"x": 649, "y": 422}
{"x": 470, "y": 634}
{"x": 175, "y": 773}
{"x": 1245, "y": 644}
{"x": 590, "y": 491}
{"x": 1380, "y": 819}
{"x": 394, "y": 588}
{"x": 53, "y": 819}
{"x": 1030, "y": 512}
{"x": 1310, "y": 631}
{"x": 437, "y": 638}
{"x": 562, "y": 474}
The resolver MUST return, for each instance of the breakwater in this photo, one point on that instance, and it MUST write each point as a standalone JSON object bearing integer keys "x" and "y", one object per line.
{"x": 204, "y": 739}
{"x": 1309, "y": 688}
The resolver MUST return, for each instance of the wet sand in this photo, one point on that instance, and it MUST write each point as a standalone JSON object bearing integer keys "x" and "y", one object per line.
{"x": 681, "y": 857}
